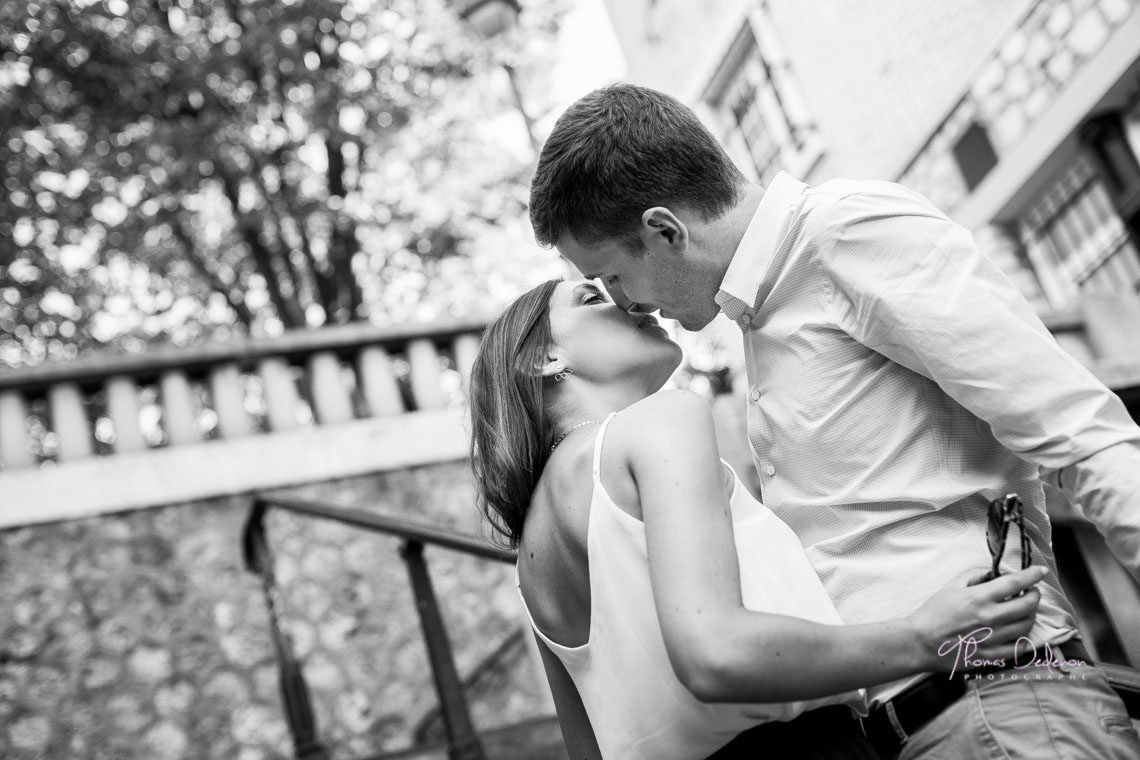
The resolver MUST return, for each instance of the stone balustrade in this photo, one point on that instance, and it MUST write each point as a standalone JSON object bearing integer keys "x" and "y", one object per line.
{"x": 118, "y": 432}
{"x": 112, "y": 433}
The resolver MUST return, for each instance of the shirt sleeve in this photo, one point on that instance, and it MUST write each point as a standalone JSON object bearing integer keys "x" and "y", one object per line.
{"x": 912, "y": 285}
{"x": 1107, "y": 486}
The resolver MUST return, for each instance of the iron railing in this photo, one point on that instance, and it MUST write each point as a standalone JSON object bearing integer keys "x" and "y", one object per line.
{"x": 462, "y": 741}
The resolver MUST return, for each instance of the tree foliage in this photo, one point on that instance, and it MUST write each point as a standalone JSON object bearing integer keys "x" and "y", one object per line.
{"x": 176, "y": 168}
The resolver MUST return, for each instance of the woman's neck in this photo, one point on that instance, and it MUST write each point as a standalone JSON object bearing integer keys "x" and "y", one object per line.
{"x": 590, "y": 402}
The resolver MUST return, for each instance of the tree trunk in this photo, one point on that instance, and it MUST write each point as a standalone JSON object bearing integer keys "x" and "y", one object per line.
{"x": 344, "y": 243}
{"x": 241, "y": 311}
{"x": 288, "y": 310}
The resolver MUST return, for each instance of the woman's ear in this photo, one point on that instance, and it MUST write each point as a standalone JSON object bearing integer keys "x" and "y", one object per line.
{"x": 552, "y": 367}
{"x": 662, "y": 230}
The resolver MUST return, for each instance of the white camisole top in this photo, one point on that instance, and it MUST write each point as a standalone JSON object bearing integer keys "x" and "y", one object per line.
{"x": 638, "y": 709}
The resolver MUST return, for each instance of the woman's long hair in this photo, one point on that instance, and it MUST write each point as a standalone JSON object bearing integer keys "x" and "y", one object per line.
{"x": 510, "y": 429}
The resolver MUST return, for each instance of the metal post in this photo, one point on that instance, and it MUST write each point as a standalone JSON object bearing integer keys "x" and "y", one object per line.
{"x": 294, "y": 690}
{"x": 462, "y": 743}
{"x": 535, "y": 145}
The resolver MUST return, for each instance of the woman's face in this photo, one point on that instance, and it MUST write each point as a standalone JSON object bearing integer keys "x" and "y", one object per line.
{"x": 601, "y": 342}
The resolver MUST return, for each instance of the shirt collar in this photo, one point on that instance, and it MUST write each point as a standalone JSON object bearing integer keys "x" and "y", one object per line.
{"x": 757, "y": 249}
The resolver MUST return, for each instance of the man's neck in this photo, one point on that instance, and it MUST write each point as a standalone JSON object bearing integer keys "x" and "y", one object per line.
{"x": 729, "y": 230}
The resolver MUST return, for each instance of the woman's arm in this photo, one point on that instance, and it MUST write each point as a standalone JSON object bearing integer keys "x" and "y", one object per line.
{"x": 723, "y": 652}
{"x": 576, "y": 731}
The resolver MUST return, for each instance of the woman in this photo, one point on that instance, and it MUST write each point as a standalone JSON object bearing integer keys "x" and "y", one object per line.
{"x": 673, "y": 610}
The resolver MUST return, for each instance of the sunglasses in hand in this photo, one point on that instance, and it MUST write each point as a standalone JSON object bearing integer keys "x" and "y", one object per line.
{"x": 1003, "y": 511}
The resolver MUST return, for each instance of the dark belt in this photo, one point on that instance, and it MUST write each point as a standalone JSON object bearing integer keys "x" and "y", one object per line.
{"x": 891, "y": 723}
{"x": 826, "y": 732}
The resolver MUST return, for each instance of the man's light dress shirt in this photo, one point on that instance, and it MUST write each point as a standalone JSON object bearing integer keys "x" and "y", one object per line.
{"x": 897, "y": 383}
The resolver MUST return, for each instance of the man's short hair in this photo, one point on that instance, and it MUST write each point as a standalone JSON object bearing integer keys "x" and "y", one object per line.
{"x": 618, "y": 151}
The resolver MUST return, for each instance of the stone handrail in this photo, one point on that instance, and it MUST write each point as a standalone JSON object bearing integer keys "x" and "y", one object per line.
{"x": 235, "y": 416}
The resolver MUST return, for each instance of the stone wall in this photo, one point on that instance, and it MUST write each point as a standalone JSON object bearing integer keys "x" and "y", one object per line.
{"x": 141, "y": 635}
{"x": 1022, "y": 78}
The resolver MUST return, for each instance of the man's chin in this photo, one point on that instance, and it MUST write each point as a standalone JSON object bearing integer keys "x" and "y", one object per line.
{"x": 694, "y": 323}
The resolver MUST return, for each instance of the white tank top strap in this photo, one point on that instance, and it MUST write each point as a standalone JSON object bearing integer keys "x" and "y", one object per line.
{"x": 598, "y": 447}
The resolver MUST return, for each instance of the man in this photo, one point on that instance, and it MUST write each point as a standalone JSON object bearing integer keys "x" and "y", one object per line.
{"x": 897, "y": 384}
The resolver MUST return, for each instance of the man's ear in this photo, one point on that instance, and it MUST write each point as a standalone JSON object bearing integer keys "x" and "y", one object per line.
{"x": 662, "y": 230}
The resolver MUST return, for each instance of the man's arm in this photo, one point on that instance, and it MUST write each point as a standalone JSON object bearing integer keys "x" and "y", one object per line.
{"x": 1107, "y": 486}
{"x": 913, "y": 286}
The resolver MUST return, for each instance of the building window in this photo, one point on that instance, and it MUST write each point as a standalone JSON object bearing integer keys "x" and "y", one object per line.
{"x": 974, "y": 154}
{"x": 1105, "y": 137}
{"x": 1077, "y": 240}
{"x": 762, "y": 118}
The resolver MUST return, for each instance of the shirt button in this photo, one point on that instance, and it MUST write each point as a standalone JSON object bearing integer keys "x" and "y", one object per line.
{"x": 746, "y": 320}
{"x": 770, "y": 470}
{"x": 754, "y": 395}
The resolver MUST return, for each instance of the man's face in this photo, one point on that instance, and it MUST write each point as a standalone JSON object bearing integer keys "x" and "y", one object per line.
{"x": 661, "y": 278}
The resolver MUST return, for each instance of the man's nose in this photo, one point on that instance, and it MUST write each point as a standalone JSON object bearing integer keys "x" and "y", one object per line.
{"x": 621, "y": 299}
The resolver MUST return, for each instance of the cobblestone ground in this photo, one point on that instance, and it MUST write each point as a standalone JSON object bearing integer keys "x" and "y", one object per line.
{"x": 142, "y": 636}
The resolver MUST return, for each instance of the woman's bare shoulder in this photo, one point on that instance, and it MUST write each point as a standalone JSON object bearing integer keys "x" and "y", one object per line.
{"x": 660, "y": 418}
{"x": 561, "y": 500}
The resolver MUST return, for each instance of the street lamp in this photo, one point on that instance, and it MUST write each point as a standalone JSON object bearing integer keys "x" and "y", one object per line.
{"x": 490, "y": 19}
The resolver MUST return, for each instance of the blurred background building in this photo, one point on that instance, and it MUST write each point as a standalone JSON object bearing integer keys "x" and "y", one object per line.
{"x": 247, "y": 247}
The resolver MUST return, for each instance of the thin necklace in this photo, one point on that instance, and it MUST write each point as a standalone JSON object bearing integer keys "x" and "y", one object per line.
{"x": 571, "y": 430}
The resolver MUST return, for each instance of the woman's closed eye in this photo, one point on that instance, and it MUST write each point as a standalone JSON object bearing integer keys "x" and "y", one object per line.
{"x": 589, "y": 295}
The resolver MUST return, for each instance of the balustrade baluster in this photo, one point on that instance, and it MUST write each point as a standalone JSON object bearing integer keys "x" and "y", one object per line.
{"x": 378, "y": 382}
{"x": 14, "y": 451}
{"x": 178, "y": 409}
{"x": 427, "y": 389}
{"x": 69, "y": 421}
{"x": 465, "y": 347}
{"x": 280, "y": 393}
{"x": 331, "y": 402}
{"x": 229, "y": 401}
{"x": 123, "y": 409}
